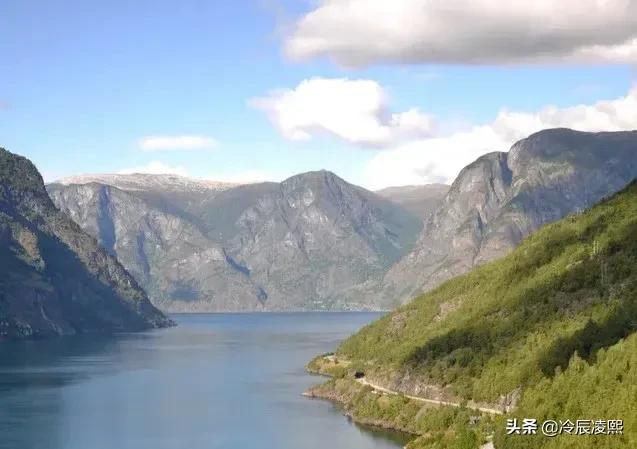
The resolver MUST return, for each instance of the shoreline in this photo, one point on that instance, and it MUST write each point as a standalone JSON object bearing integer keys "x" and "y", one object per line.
{"x": 375, "y": 423}
{"x": 424, "y": 422}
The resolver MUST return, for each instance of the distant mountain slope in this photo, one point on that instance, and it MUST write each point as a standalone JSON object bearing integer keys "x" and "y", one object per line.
{"x": 547, "y": 332}
{"x": 55, "y": 278}
{"x": 420, "y": 200}
{"x": 313, "y": 241}
{"x": 148, "y": 182}
{"x": 503, "y": 197}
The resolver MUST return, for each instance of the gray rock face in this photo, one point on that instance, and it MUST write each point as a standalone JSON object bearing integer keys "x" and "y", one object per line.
{"x": 502, "y": 197}
{"x": 420, "y": 200}
{"x": 55, "y": 278}
{"x": 311, "y": 242}
{"x": 317, "y": 242}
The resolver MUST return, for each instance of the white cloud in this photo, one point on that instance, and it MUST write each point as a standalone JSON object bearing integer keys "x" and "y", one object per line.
{"x": 156, "y": 168}
{"x": 440, "y": 159}
{"x": 356, "y": 111}
{"x": 362, "y": 32}
{"x": 170, "y": 143}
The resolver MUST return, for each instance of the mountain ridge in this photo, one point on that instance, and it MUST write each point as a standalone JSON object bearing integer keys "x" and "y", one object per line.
{"x": 139, "y": 181}
{"x": 309, "y": 242}
{"x": 502, "y": 197}
{"x": 57, "y": 279}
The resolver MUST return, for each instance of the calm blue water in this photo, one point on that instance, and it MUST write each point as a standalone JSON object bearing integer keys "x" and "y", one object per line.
{"x": 220, "y": 381}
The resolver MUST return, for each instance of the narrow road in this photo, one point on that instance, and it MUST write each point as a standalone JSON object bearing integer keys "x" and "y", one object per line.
{"x": 491, "y": 411}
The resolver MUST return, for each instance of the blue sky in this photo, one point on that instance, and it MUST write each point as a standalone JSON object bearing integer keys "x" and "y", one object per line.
{"x": 82, "y": 81}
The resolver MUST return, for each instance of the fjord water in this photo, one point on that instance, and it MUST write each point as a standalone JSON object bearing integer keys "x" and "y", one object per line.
{"x": 217, "y": 381}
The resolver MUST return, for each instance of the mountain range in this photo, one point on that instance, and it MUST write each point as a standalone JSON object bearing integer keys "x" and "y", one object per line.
{"x": 310, "y": 242}
{"x": 316, "y": 242}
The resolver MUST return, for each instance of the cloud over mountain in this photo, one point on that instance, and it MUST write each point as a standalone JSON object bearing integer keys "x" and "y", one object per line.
{"x": 356, "y": 111}
{"x": 440, "y": 159}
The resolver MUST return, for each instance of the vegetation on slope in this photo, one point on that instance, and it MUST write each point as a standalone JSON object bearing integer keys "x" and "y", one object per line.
{"x": 548, "y": 321}
{"x": 603, "y": 389}
{"x": 433, "y": 426}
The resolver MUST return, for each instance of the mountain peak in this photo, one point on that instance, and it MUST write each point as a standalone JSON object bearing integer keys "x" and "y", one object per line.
{"x": 19, "y": 173}
{"x": 315, "y": 179}
{"x": 501, "y": 198}
{"x": 316, "y": 174}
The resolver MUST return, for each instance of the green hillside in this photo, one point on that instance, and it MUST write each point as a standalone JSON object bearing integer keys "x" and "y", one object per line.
{"x": 546, "y": 330}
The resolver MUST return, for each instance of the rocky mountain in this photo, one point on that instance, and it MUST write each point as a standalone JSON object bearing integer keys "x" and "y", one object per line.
{"x": 313, "y": 241}
{"x": 55, "y": 278}
{"x": 502, "y": 197}
{"x": 420, "y": 200}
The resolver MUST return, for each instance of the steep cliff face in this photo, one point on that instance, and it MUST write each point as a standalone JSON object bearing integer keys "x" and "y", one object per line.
{"x": 502, "y": 197}
{"x": 313, "y": 241}
{"x": 55, "y": 278}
